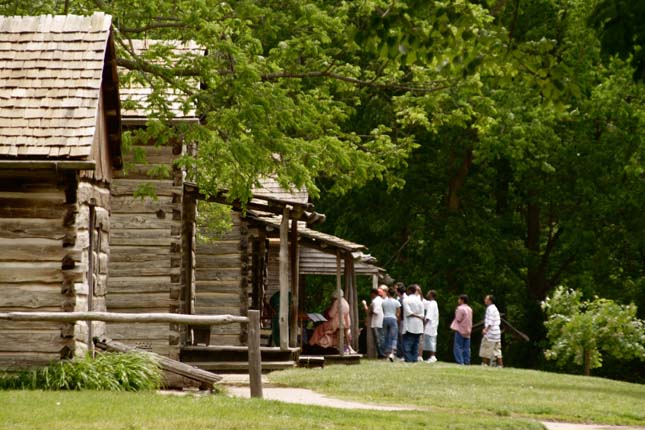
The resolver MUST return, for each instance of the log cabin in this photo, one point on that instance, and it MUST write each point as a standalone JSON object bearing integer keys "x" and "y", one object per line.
{"x": 146, "y": 253}
{"x": 159, "y": 265}
{"x": 60, "y": 144}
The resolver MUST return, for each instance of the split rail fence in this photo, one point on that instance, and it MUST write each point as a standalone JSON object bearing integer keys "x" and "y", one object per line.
{"x": 253, "y": 321}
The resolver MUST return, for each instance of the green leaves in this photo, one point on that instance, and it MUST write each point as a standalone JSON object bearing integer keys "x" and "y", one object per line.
{"x": 584, "y": 331}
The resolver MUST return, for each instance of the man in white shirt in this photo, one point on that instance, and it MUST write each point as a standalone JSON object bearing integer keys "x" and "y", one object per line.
{"x": 431, "y": 325}
{"x": 491, "y": 345}
{"x": 413, "y": 316}
{"x": 375, "y": 310}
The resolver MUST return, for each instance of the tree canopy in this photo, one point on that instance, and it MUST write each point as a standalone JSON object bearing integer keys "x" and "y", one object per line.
{"x": 474, "y": 145}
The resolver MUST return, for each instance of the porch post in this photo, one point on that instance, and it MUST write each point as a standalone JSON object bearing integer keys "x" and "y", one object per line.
{"x": 284, "y": 280}
{"x": 341, "y": 323}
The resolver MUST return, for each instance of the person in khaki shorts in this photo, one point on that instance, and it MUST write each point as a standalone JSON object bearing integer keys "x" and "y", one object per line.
{"x": 491, "y": 346}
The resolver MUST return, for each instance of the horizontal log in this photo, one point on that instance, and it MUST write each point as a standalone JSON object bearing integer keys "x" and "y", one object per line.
{"x": 139, "y": 285}
{"x": 217, "y": 274}
{"x": 129, "y": 204}
{"x": 217, "y": 287}
{"x": 161, "y": 187}
{"x": 158, "y": 260}
{"x": 166, "y": 364}
{"x": 219, "y": 247}
{"x": 32, "y": 249}
{"x": 14, "y": 361}
{"x": 124, "y": 317}
{"x": 30, "y": 296}
{"x": 144, "y": 171}
{"x": 231, "y": 235}
{"x": 221, "y": 310}
{"x": 32, "y": 341}
{"x": 54, "y": 211}
{"x": 132, "y": 251}
{"x": 231, "y": 260}
{"x": 140, "y": 332}
{"x": 23, "y": 326}
{"x": 164, "y": 240}
{"x": 12, "y": 228}
{"x": 120, "y": 221}
{"x": 125, "y": 301}
{"x": 35, "y": 272}
{"x": 152, "y": 154}
{"x": 223, "y": 339}
{"x": 47, "y": 165}
{"x": 123, "y": 270}
{"x": 216, "y": 300}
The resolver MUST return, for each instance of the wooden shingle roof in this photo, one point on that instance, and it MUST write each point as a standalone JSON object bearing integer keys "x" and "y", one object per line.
{"x": 51, "y": 70}
{"x": 180, "y": 107}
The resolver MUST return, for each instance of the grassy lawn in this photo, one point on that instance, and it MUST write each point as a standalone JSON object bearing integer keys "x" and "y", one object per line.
{"x": 89, "y": 410}
{"x": 478, "y": 391}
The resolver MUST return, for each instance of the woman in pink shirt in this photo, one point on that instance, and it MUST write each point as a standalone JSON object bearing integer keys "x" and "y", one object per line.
{"x": 462, "y": 325}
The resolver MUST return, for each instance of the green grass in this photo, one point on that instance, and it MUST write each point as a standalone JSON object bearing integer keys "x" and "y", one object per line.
{"x": 478, "y": 391}
{"x": 88, "y": 410}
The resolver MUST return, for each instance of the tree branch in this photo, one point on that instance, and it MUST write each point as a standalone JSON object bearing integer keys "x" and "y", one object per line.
{"x": 556, "y": 277}
{"x": 154, "y": 69}
{"x": 359, "y": 82}
{"x": 151, "y": 27}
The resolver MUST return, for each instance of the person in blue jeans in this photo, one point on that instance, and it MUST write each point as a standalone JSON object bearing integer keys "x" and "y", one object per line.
{"x": 462, "y": 325}
{"x": 413, "y": 316}
{"x": 391, "y": 311}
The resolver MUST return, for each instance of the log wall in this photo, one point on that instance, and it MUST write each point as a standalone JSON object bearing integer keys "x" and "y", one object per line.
{"x": 221, "y": 285}
{"x": 44, "y": 262}
{"x": 145, "y": 263}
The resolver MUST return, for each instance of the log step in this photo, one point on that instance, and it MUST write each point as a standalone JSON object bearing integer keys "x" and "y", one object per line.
{"x": 241, "y": 366}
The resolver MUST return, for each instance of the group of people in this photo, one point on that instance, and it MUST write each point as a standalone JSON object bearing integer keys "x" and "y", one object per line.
{"x": 404, "y": 324}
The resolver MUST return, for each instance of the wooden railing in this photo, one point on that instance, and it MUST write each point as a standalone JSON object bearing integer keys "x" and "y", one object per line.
{"x": 253, "y": 320}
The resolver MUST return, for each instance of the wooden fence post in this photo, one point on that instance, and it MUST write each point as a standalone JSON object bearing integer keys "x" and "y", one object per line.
{"x": 339, "y": 301}
{"x": 255, "y": 358}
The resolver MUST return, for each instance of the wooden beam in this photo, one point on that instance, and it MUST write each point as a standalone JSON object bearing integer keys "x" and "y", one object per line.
{"x": 48, "y": 164}
{"x": 341, "y": 323}
{"x": 294, "y": 265}
{"x": 167, "y": 364}
{"x": 284, "y": 280}
{"x": 115, "y": 317}
{"x": 352, "y": 298}
{"x": 255, "y": 358}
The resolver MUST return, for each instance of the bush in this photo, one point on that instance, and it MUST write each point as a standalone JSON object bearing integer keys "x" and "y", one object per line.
{"x": 111, "y": 371}
{"x": 582, "y": 331}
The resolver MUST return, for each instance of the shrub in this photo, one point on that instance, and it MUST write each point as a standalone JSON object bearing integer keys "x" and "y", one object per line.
{"x": 582, "y": 331}
{"x": 111, "y": 371}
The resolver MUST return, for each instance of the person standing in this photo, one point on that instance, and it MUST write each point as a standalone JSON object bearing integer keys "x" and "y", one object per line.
{"x": 431, "y": 325}
{"x": 401, "y": 295}
{"x": 491, "y": 345}
{"x": 413, "y": 316}
{"x": 462, "y": 325}
{"x": 375, "y": 311}
{"x": 391, "y": 311}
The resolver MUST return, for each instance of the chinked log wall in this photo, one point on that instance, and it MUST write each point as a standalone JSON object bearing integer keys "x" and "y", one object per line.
{"x": 44, "y": 241}
{"x": 221, "y": 287}
{"x": 145, "y": 256}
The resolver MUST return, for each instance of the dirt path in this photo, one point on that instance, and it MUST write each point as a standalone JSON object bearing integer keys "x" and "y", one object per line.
{"x": 237, "y": 386}
{"x": 307, "y": 397}
{"x": 551, "y": 425}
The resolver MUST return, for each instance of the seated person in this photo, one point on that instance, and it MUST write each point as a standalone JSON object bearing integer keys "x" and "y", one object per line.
{"x": 326, "y": 334}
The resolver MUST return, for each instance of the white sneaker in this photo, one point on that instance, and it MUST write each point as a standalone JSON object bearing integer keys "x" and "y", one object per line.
{"x": 432, "y": 359}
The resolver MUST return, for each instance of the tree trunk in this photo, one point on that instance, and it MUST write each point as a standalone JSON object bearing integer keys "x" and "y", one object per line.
{"x": 458, "y": 180}
{"x": 587, "y": 370}
{"x": 536, "y": 279}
